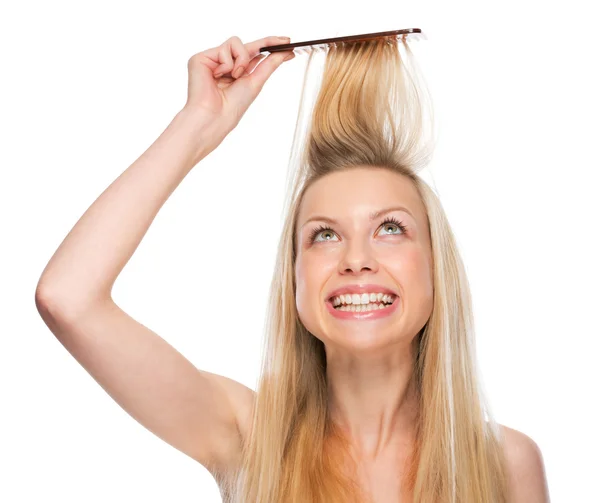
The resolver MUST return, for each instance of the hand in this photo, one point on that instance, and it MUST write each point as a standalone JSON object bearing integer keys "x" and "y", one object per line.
{"x": 222, "y": 83}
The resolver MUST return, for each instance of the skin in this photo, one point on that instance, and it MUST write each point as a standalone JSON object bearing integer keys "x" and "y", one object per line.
{"x": 369, "y": 363}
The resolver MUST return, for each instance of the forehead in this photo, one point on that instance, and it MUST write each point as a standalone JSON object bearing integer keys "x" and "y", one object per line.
{"x": 355, "y": 192}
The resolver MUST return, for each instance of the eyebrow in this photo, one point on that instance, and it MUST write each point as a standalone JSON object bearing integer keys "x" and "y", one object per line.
{"x": 372, "y": 216}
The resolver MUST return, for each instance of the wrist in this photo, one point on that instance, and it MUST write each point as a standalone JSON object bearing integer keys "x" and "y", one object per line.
{"x": 201, "y": 131}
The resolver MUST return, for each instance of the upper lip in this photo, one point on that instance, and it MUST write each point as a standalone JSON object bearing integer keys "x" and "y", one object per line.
{"x": 360, "y": 289}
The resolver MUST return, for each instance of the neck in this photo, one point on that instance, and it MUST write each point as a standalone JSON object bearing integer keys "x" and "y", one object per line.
{"x": 375, "y": 406}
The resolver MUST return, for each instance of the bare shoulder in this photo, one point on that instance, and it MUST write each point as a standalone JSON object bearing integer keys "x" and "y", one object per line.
{"x": 527, "y": 477}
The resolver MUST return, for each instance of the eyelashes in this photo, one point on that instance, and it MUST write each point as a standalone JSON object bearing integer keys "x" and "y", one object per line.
{"x": 390, "y": 220}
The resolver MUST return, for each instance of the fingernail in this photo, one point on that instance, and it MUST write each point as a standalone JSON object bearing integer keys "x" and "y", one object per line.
{"x": 218, "y": 75}
{"x": 291, "y": 56}
{"x": 238, "y": 72}
{"x": 284, "y": 38}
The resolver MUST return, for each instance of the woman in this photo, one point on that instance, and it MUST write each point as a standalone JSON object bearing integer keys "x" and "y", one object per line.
{"x": 369, "y": 388}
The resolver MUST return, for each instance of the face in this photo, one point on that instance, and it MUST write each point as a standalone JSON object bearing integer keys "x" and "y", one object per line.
{"x": 392, "y": 251}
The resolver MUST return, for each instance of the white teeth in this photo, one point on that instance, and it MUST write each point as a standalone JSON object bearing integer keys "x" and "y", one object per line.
{"x": 364, "y": 299}
{"x": 361, "y": 308}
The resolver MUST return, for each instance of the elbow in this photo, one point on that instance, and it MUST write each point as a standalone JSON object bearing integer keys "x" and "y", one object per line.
{"x": 54, "y": 305}
{"x": 47, "y": 304}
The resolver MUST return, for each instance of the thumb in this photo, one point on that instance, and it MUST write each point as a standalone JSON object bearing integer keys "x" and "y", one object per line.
{"x": 266, "y": 68}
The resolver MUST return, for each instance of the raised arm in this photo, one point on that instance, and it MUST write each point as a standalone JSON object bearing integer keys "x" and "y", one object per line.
{"x": 201, "y": 414}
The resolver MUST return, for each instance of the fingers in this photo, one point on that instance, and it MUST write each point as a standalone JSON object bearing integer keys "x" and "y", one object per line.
{"x": 253, "y": 48}
{"x": 243, "y": 55}
{"x": 242, "y": 58}
{"x": 225, "y": 59}
{"x": 232, "y": 48}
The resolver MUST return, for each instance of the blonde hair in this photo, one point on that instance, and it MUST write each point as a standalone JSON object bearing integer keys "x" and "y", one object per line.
{"x": 370, "y": 112}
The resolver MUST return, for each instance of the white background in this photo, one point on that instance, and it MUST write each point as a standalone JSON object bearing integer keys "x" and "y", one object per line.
{"x": 87, "y": 87}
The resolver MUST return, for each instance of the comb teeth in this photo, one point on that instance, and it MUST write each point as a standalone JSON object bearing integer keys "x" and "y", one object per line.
{"x": 417, "y": 36}
{"x": 409, "y": 37}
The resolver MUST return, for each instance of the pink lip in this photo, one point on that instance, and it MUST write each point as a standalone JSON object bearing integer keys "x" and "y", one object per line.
{"x": 367, "y": 315}
{"x": 360, "y": 289}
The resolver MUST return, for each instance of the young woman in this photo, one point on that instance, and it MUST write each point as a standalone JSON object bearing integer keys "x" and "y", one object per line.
{"x": 369, "y": 390}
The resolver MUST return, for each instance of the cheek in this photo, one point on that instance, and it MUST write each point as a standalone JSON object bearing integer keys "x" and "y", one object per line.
{"x": 416, "y": 275}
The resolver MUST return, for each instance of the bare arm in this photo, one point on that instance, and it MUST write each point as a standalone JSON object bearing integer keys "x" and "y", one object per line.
{"x": 194, "y": 411}
{"x": 84, "y": 268}
{"x": 202, "y": 414}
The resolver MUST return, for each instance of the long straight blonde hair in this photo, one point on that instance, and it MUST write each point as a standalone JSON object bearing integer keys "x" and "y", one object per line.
{"x": 371, "y": 111}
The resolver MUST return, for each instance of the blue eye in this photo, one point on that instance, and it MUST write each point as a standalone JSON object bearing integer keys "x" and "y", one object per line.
{"x": 390, "y": 221}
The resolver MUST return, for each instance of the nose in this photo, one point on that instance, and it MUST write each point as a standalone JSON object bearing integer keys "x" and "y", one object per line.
{"x": 357, "y": 258}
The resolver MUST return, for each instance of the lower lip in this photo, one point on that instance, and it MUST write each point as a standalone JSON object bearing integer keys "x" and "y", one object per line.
{"x": 367, "y": 315}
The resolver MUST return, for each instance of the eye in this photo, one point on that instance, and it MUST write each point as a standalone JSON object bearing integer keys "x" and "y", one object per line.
{"x": 389, "y": 222}
{"x": 392, "y": 222}
{"x": 318, "y": 231}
